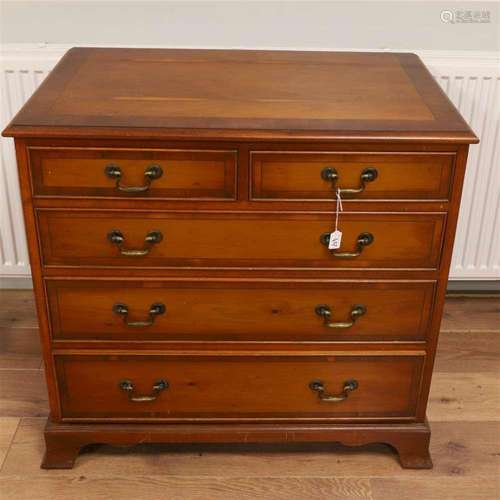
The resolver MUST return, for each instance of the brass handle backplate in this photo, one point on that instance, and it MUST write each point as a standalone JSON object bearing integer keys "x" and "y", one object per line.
{"x": 153, "y": 172}
{"x": 154, "y": 310}
{"x": 326, "y": 313}
{"x": 367, "y": 175}
{"x": 364, "y": 239}
{"x": 116, "y": 236}
{"x": 319, "y": 387}
{"x": 128, "y": 387}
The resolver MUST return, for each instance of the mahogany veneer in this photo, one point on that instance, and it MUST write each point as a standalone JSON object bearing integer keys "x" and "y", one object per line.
{"x": 177, "y": 205}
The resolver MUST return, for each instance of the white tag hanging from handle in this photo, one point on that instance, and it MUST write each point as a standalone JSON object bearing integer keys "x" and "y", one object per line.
{"x": 336, "y": 237}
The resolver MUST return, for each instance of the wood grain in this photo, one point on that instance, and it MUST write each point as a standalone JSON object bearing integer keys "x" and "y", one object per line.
{"x": 471, "y": 351}
{"x": 234, "y": 311}
{"x": 471, "y": 314}
{"x": 248, "y": 94}
{"x": 272, "y": 240}
{"x": 465, "y": 488}
{"x": 23, "y": 393}
{"x": 20, "y": 348}
{"x": 298, "y": 175}
{"x": 186, "y": 174}
{"x": 465, "y": 314}
{"x": 8, "y": 428}
{"x": 225, "y": 387}
{"x": 460, "y": 449}
{"x": 181, "y": 488}
{"x": 457, "y": 396}
{"x": 17, "y": 309}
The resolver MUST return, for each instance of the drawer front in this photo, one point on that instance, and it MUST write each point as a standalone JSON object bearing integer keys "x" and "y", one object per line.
{"x": 153, "y": 239}
{"x": 174, "y": 174}
{"x": 260, "y": 311}
{"x": 316, "y": 176}
{"x": 238, "y": 387}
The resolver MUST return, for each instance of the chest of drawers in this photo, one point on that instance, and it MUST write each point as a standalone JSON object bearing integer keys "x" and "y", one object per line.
{"x": 178, "y": 207}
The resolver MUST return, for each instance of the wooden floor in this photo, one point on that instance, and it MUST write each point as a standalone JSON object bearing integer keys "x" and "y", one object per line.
{"x": 463, "y": 412}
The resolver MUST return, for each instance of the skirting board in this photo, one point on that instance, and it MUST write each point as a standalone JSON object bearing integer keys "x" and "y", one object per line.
{"x": 470, "y": 79}
{"x": 16, "y": 283}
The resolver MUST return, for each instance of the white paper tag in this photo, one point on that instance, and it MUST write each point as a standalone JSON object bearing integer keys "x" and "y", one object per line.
{"x": 335, "y": 240}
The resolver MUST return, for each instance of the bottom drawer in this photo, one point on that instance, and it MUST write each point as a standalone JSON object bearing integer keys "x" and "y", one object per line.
{"x": 245, "y": 387}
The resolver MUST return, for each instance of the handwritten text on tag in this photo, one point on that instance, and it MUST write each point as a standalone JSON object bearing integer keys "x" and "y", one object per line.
{"x": 335, "y": 240}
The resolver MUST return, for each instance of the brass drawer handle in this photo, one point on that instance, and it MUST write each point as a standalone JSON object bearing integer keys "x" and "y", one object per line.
{"x": 128, "y": 387}
{"x": 153, "y": 172}
{"x": 326, "y": 313}
{"x": 154, "y": 310}
{"x": 116, "y": 236}
{"x": 364, "y": 239}
{"x": 367, "y": 175}
{"x": 319, "y": 387}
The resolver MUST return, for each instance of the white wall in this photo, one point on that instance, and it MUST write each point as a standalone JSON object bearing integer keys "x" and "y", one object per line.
{"x": 306, "y": 24}
{"x": 35, "y": 34}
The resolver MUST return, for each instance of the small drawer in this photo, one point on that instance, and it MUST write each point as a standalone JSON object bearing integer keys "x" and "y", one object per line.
{"x": 381, "y": 176}
{"x": 247, "y": 387}
{"x": 160, "y": 239}
{"x": 129, "y": 173}
{"x": 202, "y": 310}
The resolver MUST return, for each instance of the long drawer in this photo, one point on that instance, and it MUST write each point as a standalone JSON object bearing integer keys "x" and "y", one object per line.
{"x": 242, "y": 310}
{"x": 159, "y": 239}
{"x": 210, "y": 388}
{"x": 134, "y": 173}
{"x": 299, "y": 175}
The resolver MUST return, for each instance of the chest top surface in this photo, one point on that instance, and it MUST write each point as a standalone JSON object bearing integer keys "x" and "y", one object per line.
{"x": 240, "y": 95}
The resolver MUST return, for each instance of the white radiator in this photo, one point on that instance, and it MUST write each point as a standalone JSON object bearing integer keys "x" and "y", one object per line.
{"x": 471, "y": 80}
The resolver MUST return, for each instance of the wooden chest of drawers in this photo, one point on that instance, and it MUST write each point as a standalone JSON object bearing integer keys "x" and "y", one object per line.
{"x": 179, "y": 206}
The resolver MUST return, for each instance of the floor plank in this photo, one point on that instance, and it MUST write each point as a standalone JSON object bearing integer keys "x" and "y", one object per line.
{"x": 8, "y": 427}
{"x": 52, "y": 488}
{"x": 468, "y": 352}
{"x": 466, "y": 313}
{"x": 464, "y": 396}
{"x": 19, "y": 348}
{"x": 458, "y": 449}
{"x": 23, "y": 393}
{"x": 453, "y": 488}
{"x": 17, "y": 309}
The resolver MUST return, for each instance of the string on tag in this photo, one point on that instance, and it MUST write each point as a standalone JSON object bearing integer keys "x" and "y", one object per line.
{"x": 339, "y": 208}
{"x": 336, "y": 237}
